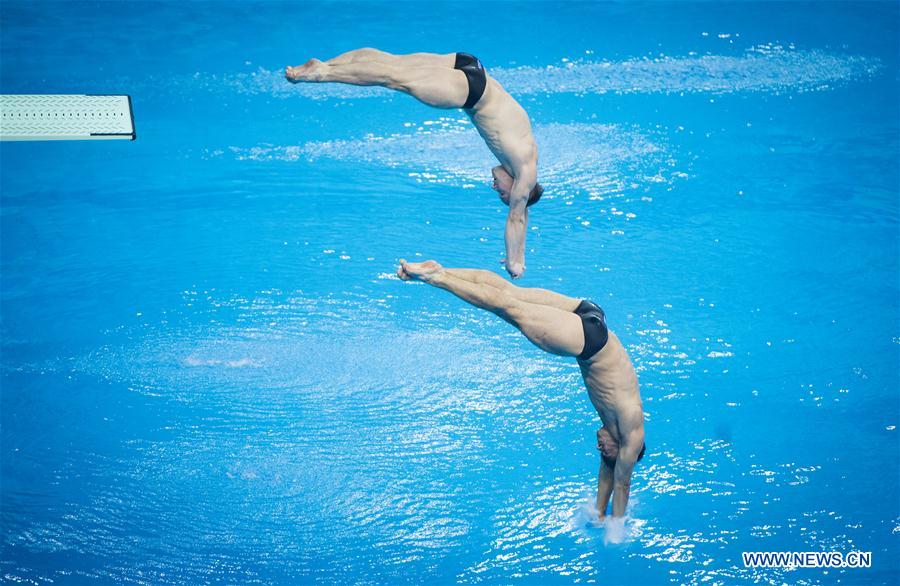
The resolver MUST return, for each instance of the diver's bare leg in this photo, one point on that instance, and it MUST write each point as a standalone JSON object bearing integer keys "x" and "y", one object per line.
{"x": 410, "y": 60}
{"x": 550, "y": 329}
{"x": 604, "y": 488}
{"x": 364, "y": 54}
{"x": 436, "y": 86}
{"x": 529, "y": 294}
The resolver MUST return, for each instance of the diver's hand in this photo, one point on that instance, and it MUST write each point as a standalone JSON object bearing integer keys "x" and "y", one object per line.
{"x": 515, "y": 269}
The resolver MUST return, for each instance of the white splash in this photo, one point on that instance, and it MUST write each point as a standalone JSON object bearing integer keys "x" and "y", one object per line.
{"x": 762, "y": 68}
{"x": 597, "y": 159}
{"x": 616, "y": 531}
{"x": 770, "y": 67}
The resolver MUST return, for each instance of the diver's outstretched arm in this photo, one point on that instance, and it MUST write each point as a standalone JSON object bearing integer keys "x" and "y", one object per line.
{"x": 517, "y": 220}
{"x": 604, "y": 488}
{"x": 629, "y": 452}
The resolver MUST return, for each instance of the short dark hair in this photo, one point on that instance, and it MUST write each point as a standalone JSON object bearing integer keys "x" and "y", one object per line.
{"x": 536, "y": 193}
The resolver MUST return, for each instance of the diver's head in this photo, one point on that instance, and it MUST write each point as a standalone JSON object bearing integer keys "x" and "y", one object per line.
{"x": 503, "y": 183}
{"x": 536, "y": 192}
{"x": 609, "y": 448}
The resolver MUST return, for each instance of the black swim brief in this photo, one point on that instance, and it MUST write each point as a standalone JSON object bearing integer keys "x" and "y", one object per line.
{"x": 593, "y": 322}
{"x": 474, "y": 70}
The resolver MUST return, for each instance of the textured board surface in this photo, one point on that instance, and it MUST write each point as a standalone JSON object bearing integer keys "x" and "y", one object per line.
{"x": 66, "y": 117}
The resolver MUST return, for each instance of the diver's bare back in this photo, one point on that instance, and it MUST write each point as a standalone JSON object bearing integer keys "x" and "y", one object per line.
{"x": 612, "y": 386}
{"x": 505, "y": 127}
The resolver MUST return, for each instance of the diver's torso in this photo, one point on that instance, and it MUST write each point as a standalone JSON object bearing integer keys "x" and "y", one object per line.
{"x": 612, "y": 385}
{"x": 505, "y": 127}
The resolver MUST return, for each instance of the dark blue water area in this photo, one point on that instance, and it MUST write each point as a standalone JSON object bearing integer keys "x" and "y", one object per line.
{"x": 209, "y": 376}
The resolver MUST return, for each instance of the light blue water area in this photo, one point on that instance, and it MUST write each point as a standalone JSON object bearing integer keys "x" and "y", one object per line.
{"x": 209, "y": 374}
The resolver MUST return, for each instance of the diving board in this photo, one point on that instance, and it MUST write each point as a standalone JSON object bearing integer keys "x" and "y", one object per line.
{"x": 65, "y": 117}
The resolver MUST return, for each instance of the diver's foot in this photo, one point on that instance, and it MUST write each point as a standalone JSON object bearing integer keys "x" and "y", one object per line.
{"x": 311, "y": 71}
{"x": 419, "y": 271}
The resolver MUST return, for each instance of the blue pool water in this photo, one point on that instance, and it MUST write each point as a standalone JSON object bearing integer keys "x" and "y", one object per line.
{"x": 209, "y": 374}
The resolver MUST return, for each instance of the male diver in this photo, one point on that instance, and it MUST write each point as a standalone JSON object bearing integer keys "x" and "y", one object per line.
{"x": 454, "y": 80}
{"x": 567, "y": 327}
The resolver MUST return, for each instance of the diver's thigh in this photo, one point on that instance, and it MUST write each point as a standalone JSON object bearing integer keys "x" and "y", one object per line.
{"x": 550, "y": 329}
{"x": 439, "y": 87}
{"x": 442, "y": 60}
{"x": 546, "y": 297}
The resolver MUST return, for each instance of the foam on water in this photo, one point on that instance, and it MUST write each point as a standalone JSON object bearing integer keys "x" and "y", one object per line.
{"x": 280, "y": 379}
{"x": 596, "y": 160}
{"x": 275, "y": 343}
{"x": 769, "y": 68}
{"x": 763, "y": 68}
{"x": 274, "y": 411}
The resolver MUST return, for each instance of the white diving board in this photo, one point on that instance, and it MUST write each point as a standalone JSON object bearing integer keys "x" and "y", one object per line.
{"x": 65, "y": 117}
